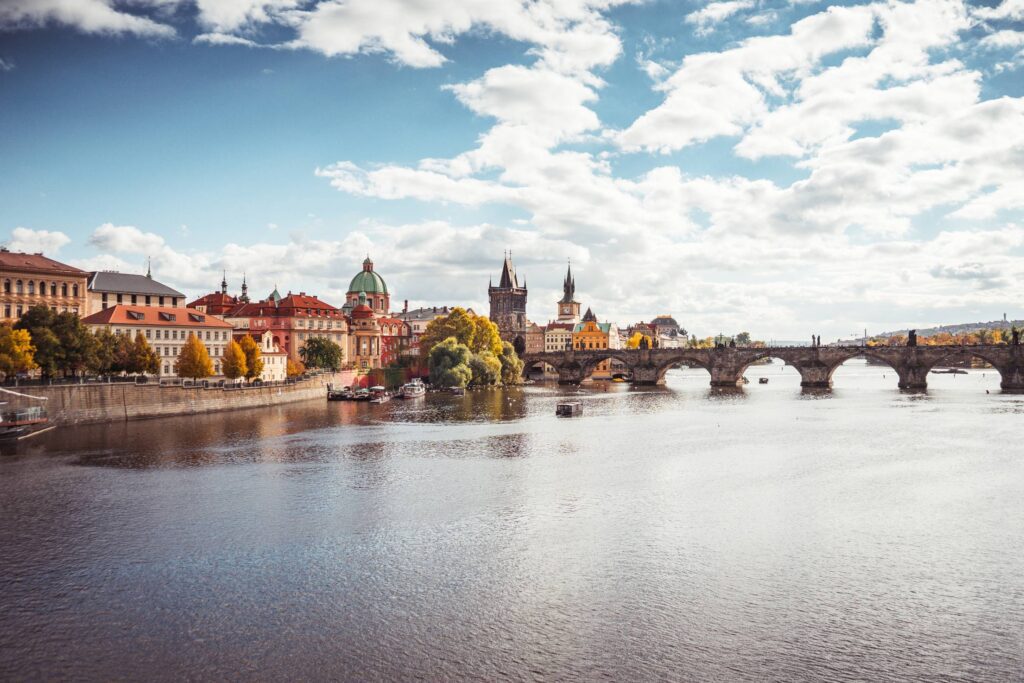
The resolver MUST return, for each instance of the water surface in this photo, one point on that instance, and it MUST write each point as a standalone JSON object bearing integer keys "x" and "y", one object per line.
{"x": 674, "y": 533}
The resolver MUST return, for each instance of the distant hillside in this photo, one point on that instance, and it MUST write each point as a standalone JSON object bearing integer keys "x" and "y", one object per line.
{"x": 961, "y": 328}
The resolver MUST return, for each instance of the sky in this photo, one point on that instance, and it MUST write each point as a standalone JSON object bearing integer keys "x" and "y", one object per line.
{"x": 786, "y": 167}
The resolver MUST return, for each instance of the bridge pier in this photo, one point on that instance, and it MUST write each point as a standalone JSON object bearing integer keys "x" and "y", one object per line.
{"x": 913, "y": 377}
{"x": 1012, "y": 379}
{"x": 814, "y": 375}
{"x": 570, "y": 375}
{"x": 646, "y": 375}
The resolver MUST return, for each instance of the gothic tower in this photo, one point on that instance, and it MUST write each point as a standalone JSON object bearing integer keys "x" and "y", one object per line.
{"x": 568, "y": 307}
{"x": 508, "y": 305}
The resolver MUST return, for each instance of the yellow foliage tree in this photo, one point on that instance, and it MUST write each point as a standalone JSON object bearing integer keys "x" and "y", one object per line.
{"x": 233, "y": 364}
{"x": 253, "y": 358}
{"x": 194, "y": 360}
{"x": 634, "y": 341}
{"x": 295, "y": 368}
{"x": 16, "y": 351}
{"x": 485, "y": 336}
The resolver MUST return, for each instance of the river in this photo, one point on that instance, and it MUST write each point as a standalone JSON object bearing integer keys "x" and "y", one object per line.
{"x": 670, "y": 533}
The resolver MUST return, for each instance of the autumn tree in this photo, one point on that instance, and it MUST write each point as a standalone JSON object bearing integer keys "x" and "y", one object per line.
{"x": 634, "y": 341}
{"x": 16, "y": 351}
{"x": 63, "y": 343}
{"x": 254, "y": 358}
{"x": 233, "y": 365}
{"x": 194, "y": 360}
{"x": 144, "y": 358}
{"x": 458, "y": 324}
{"x": 486, "y": 336}
{"x": 511, "y": 365}
{"x": 295, "y": 368}
{"x": 448, "y": 363}
{"x": 103, "y": 360}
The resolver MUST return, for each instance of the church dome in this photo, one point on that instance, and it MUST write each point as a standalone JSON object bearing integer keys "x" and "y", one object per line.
{"x": 362, "y": 310}
{"x": 367, "y": 280}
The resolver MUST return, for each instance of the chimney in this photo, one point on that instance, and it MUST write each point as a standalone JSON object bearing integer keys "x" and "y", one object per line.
{"x": 405, "y": 309}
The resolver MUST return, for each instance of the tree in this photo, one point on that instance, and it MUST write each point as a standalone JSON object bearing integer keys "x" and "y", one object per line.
{"x": 103, "y": 360}
{"x": 39, "y": 321}
{"x": 16, "y": 351}
{"x": 486, "y": 336}
{"x": 144, "y": 360}
{"x": 449, "y": 364}
{"x": 194, "y": 360}
{"x": 634, "y": 341}
{"x": 295, "y": 368}
{"x": 485, "y": 368}
{"x": 320, "y": 352}
{"x": 458, "y": 324}
{"x": 254, "y": 358}
{"x": 511, "y": 365}
{"x": 233, "y": 363}
{"x": 123, "y": 354}
{"x": 63, "y": 343}
{"x": 78, "y": 345}
{"x": 743, "y": 339}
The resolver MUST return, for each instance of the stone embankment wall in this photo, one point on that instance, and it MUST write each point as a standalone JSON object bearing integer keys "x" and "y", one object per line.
{"x": 90, "y": 403}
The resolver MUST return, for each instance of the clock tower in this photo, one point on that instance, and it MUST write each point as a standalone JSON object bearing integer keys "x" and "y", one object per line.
{"x": 568, "y": 308}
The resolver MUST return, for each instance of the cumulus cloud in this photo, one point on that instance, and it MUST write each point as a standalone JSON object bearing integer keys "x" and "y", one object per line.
{"x": 88, "y": 16}
{"x": 714, "y": 13}
{"x": 34, "y": 241}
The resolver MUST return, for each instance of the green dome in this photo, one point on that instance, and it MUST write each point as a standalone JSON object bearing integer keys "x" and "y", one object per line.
{"x": 369, "y": 282}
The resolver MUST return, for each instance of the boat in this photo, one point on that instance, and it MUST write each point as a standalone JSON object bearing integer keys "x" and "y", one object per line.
{"x": 343, "y": 394}
{"x": 569, "y": 409}
{"x": 361, "y": 395}
{"x": 762, "y": 380}
{"x": 949, "y": 371}
{"x": 413, "y": 389}
{"x": 15, "y": 424}
{"x": 458, "y": 391}
{"x": 745, "y": 380}
{"x": 379, "y": 394}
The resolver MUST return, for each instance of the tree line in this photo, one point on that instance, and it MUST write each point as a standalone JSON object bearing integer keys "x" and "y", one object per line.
{"x": 462, "y": 349}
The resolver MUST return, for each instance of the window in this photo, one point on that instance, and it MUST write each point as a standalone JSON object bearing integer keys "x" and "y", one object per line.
{"x": 7, "y": 310}
{"x": 18, "y": 288}
{"x": 53, "y": 289}
{"x": 103, "y": 298}
{"x": 120, "y": 298}
{"x": 169, "y": 317}
{"x": 167, "y": 369}
{"x": 136, "y": 315}
{"x": 135, "y": 299}
{"x": 148, "y": 300}
{"x": 42, "y": 288}
{"x": 18, "y": 310}
{"x": 161, "y": 301}
{"x": 148, "y": 333}
{"x": 31, "y": 287}
{"x": 74, "y": 290}
{"x": 7, "y": 286}
{"x": 64, "y": 290}
{"x": 174, "y": 334}
{"x": 196, "y": 317}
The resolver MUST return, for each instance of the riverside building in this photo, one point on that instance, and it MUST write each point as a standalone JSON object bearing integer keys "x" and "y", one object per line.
{"x": 28, "y": 280}
{"x": 109, "y": 288}
{"x": 166, "y": 328}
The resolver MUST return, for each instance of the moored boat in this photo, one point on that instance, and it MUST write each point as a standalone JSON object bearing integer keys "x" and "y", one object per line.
{"x": 569, "y": 409}
{"x": 379, "y": 394}
{"x": 413, "y": 389}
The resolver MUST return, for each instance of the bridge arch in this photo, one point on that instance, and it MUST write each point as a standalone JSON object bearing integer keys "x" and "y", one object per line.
{"x": 684, "y": 356}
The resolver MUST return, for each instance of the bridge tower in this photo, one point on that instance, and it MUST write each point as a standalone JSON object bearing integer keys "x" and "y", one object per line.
{"x": 508, "y": 306}
{"x": 568, "y": 307}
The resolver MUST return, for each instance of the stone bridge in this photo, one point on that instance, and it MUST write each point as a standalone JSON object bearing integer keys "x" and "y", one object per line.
{"x": 816, "y": 364}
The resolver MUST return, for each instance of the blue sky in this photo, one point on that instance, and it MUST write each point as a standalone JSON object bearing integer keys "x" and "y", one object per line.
{"x": 782, "y": 167}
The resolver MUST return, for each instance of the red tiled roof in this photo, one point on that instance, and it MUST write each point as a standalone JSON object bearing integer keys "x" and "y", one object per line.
{"x": 291, "y": 306}
{"x": 214, "y": 299}
{"x": 154, "y": 316}
{"x": 16, "y": 260}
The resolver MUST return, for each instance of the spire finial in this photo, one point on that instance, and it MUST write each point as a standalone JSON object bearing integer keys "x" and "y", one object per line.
{"x": 149, "y": 267}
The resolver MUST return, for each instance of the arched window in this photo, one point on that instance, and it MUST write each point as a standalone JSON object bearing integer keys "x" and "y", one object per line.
{"x": 7, "y": 286}
{"x": 19, "y": 287}
{"x": 31, "y": 287}
{"x": 74, "y": 290}
{"x": 53, "y": 289}
{"x": 63, "y": 289}
{"x": 42, "y": 288}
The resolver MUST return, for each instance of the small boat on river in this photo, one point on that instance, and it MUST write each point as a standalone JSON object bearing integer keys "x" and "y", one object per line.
{"x": 21, "y": 422}
{"x": 343, "y": 394}
{"x": 379, "y": 394}
{"x": 569, "y": 409}
{"x": 949, "y": 371}
{"x": 762, "y": 380}
{"x": 413, "y": 389}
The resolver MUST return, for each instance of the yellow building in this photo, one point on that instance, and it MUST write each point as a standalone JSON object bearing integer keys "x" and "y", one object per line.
{"x": 29, "y": 280}
{"x": 590, "y": 335}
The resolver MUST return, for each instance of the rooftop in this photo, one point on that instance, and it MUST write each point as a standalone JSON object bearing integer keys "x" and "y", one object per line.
{"x": 109, "y": 281}
{"x": 16, "y": 260}
{"x": 154, "y": 316}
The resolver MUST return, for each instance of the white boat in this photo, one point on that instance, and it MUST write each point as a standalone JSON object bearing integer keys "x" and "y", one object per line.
{"x": 413, "y": 389}
{"x": 379, "y": 395}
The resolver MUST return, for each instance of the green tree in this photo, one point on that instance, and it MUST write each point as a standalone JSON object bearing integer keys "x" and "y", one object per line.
{"x": 194, "y": 360}
{"x": 233, "y": 363}
{"x": 254, "y": 358}
{"x": 743, "y": 339}
{"x": 511, "y": 365}
{"x": 103, "y": 359}
{"x": 448, "y": 363}
{"x": 458, "y": 324}
{"x": 40, "y": 321}
{"x": 124, "y": 351}
{"x": 320, "y": 352}
{"x": 77, "y": 343}
{"x": 485, "y": 368}
{"x": 16, "y": 351}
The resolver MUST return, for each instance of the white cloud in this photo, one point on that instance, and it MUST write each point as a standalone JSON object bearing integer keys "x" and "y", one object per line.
{"x": 126, "y": 239}
{"x": 6, "y": 64}
{"x": 34, "y": 241}
{"x": 230, "y": 15}
{"x": 224, "y": 39}
{"x": 89, "y": 16}
{"x": 714, "y": 13}
{"x": 1001, "y": 39}
{"x": 1007, "y": 9}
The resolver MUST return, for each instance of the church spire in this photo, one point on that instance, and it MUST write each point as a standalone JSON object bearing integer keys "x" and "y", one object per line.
{"x": 245, "y": 291}
{"x": 508, "y": 273}
{"x": 568, "y": 287}
{"x": 224, "y": 283}
{"x": 149, "y": 267}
